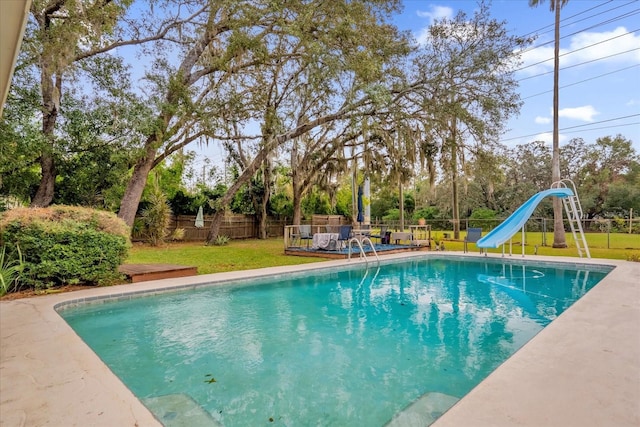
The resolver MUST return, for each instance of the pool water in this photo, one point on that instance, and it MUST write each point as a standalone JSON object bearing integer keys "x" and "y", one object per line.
{"x": 334, "y": 348}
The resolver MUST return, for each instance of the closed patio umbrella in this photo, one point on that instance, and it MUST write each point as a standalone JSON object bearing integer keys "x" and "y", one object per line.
{"x": 360, "y": 205}
{"x": 200, "y": 218}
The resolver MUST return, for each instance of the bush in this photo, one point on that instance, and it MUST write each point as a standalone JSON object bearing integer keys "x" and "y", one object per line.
{"x": 483, "y": 218}
{"x": 392, "y": 215}
{"x": 429, "y": 212}
{"x": 10, "y": 270}
{"x": 221, "y": 240}
{"x": 156, "y": 216}
{"x": 66, "y": 245}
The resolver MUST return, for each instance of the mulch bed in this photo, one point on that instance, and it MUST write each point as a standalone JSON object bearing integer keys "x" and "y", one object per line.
{"x": 36, "y": 293}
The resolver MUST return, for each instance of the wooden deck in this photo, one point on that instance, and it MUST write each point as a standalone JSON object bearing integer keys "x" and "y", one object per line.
{"x": 144, "y": 272}
{"x": 343, "y": 254}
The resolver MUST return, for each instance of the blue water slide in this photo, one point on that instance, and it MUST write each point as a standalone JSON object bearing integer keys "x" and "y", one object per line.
{"x": 516, "y": 220}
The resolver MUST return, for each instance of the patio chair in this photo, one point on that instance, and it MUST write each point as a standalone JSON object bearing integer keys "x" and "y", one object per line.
{"x": 343, "y": 236}
{"x": 305, "y": 233}
{"x": 383, "y": 231}
{"x": 473, "y": 235}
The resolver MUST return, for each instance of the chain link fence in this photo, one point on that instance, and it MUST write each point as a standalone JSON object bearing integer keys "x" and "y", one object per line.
{"x": 618, "y": 233}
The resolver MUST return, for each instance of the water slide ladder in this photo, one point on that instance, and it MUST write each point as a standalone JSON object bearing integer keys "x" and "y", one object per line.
{"x": 359, "y": 240}
{"x": 573, "y": 209}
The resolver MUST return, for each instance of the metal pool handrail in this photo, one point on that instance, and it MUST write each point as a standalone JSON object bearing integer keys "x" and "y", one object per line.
{"x": 359, "y": 241}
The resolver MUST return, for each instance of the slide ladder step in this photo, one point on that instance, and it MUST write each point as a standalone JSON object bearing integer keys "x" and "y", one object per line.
{"x": 573, "y": 210}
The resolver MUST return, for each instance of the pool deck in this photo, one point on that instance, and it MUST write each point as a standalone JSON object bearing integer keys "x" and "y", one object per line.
{"x": 581, "y": 370}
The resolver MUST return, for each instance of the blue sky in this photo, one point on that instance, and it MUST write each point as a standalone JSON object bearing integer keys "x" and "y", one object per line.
{"x": 602, "y": 85}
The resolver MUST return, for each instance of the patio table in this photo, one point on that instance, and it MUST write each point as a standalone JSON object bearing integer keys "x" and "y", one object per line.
{"x": 397, "y": 236}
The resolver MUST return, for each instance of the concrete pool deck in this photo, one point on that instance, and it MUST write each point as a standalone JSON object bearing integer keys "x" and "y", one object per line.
{"x": 581, "y": 370}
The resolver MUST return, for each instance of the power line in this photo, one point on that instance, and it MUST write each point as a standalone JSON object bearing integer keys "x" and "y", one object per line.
{"x": 583, "y": 81}
{"x": 601, "y": 121}
{"x": 575, "y": 131}
{"x": 616, "y": 18}
{"x": 572, "y": 16}
{"x": 578, "y": 126}
{"x": 592, "y": 16}
{"x": 581, "y": 63}
{"x": 565, "y": 23}
{"x": 579, "y": 49}
{"x": 605, "y": 127}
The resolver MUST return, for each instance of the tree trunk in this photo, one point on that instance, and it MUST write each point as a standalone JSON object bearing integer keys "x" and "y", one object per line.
{"x": 297, "y": 205}
{"x": 214, "y": 230}
{"x": 263, "y": 234}
{"x": 295, "y": 184}
{"x": 559, "y": 238}
{"x": 264, "y": 202}
{"x": 135, "y": 186}
{"x": 224, "y": 201}
{"x": 44, "y": 195}
{"x": 401, "y": 191}
{"x": 491, "y": 200}
{"x": 50, "y": 103}
{"x": 455, "y": 203}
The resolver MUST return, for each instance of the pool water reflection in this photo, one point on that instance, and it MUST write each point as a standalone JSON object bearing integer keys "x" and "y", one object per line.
{"x": 334, "y": 347}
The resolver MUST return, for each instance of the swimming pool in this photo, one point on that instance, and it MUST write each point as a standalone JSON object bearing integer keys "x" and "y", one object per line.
{"x": 337, "y": 347}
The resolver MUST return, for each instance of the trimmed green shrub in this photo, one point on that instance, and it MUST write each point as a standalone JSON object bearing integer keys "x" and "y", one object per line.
{"x": 483, "y": 218}
{"x": 66, "y": 245}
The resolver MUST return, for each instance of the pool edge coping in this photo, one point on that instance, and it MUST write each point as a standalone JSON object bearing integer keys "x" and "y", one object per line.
{"x": 100, "y": 398}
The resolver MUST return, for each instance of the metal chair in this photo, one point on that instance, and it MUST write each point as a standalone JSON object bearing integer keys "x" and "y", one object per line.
{"x": 305, "y": 233}
{"x": 383, "y": 231}
{"x": 473, "y": 235}
{"x": 344, "y": 236}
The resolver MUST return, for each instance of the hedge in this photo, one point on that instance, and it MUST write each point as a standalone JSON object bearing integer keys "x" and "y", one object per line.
{"x": 64, "y": 245}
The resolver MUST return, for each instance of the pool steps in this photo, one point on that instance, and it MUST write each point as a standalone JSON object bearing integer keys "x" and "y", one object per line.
{"x": 179, "y": 410}
{"x": 424, "y": 411}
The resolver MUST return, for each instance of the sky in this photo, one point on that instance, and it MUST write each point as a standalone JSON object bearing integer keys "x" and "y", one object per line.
{"x": 599, "y": 82}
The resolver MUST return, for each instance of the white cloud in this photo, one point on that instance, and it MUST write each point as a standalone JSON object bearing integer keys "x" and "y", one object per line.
{"x": 584, "y": 114}
{"x": 632, "y": 102}
{"x": 547, "y": 138}
{"x": 585, "y": 47}
{"x": 542, "y": 120}
{"x": 618, "y": 42}
{"x": 434, "y": 13}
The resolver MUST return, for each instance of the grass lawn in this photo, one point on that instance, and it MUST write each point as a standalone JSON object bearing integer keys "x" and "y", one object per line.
{"x": 613, "y": 246}
{"x": 237, "y": 255}
{"x": 249, "y": 254}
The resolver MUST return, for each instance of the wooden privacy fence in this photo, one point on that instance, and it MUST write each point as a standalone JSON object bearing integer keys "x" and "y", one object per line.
{"x": 321, "y": 220}
{"x": 233, "y": 226}
{"x": 237, "y": 226}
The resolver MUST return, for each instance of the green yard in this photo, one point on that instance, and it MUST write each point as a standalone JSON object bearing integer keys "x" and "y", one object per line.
{"x": 248, "y": 254}
{"x": 237, "y": 255}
